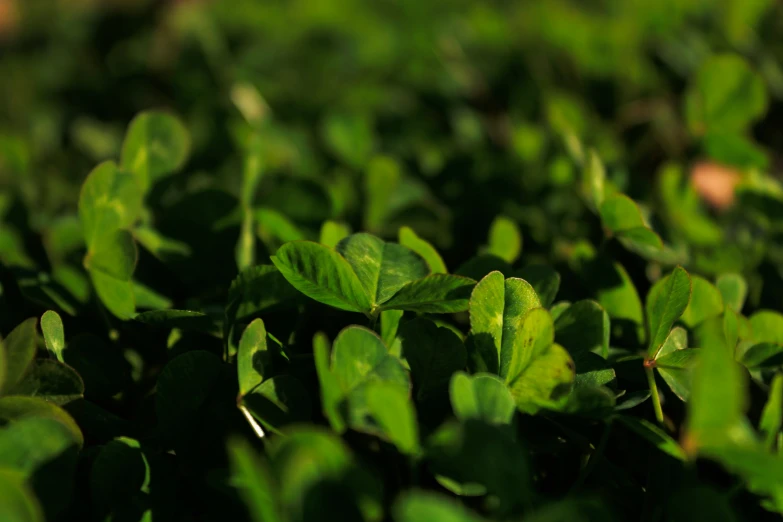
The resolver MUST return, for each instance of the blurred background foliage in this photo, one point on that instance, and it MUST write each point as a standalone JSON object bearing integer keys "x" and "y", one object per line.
{"x": 439, "y": 115}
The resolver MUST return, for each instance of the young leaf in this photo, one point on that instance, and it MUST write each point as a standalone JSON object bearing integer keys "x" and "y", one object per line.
{"x": 706, "y": 301}
{"x": 382, "y": 268}
{"x": 482, "y": 396}
{"x": 434, "y": 294}
{"x": 433, "y": 353}
{"x": 252, "y": 477}
{"x": 155, "y": 145}
{"x": 391, "y": 407}
{"x": 53, "y": 333}
{"x": 505, "y": 240}
{"x": 19, "y": 351}
{"x": 322, "y": 274}
{"x": 583, "y": 327}
{"x": 252, "y": 357}
{"x": 666, "y": 301}
{"x": 734, "y": 290}
{"x": 408, "y": 238}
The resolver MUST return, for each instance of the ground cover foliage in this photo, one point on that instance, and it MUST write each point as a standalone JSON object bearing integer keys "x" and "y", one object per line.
{"x": 404, "y": 261}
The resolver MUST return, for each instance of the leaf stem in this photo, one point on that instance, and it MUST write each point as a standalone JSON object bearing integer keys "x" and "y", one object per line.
{"x": 656, "y": 399}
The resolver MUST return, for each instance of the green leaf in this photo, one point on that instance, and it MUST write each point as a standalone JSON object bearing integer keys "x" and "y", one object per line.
{"x": 278, "y": 402}
{"x": 653, "y": 434}
{"x": 725, "y": 95}
{"x": 382, "y": 180}
{"x": 583, "y": 327}
{"x": 390, "y": 406}
{"x": 434, "y": 294}
{"x": 408, "y": 238}
{"x": 676, "y": 340}
{"x": 767, "y": 326}
{"x": 274, "y": 228}
{"x": 594, "y": 180}
{"x": 53, "y": 333}
{"x": 250, "y": 474}
{"x": 350, "y": 137}
{"x": 358, "y": 358}
{"x": 536, "y": 333}
{"x": 332, "y": 232}
{"x": 593, "y": 371}
{"x": 322, "y": 274}
{"x": 117, "y": 296}
{"x": 120, "y": 477}
{"x": 258, "y": 289}
{"x": 666, "y": 302}
{"x": 113, "y": 255}
{"x": 390, "y": 322}
{"x": 13, "y": 409}
{"x": 482, "y": 396}
{"x": 706, "y": 301}
{"x": 763, "y": 355}
{"x": 545, "y": 281}
{"x": 772, "y": 415}
{"x": 620, "y": 213}
{"x": 331, "y": 391}
{"x": 734, "y": 290}
{"x": 433, "y": 353}
{"x": 731, "y": 328}
{"x": 473, "y": 454}
{"x": 20, "y": 348}
{"x": 155, "y": 145}
{"x": 718, "y": 400}
{"x": 17, "y": 501}
{"x": 545, "y": 382}
{"x": 420, "y": 506}
{"x": 110, "y": 200}
{"x": 382, "y": 268}
{"x": 319, "y": 477}
{"x": 252, "y": 357}
{"x": 505, "y": 239}
{"x": 184, "y": 386}
{"x": 676, "y": 369}
{"x": 52, "y": 381}
{"x": 31, "y": 442}
{"x": 188, "y": 320}
{"x": 497, "y": 306}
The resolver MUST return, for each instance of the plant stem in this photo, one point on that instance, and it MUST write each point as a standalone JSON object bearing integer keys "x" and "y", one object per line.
{"x": 656, "y": 399}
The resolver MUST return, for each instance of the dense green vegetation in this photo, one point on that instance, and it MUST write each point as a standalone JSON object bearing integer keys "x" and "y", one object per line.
{"x": 410, "y": 261}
